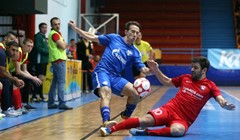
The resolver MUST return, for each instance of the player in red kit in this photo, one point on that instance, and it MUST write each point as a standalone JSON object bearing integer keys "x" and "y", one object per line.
{"x": 180, "y": 112}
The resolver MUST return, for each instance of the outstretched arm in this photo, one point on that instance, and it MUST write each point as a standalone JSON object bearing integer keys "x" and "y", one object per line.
{"x": 224, "y": 103}
{"x": 84, "y": 34}
{"x": 166, "y": 81}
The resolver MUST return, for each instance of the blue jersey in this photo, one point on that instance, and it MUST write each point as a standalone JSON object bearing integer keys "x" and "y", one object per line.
{"x": 118, "y": 54}
{"x": 3, "y": 57}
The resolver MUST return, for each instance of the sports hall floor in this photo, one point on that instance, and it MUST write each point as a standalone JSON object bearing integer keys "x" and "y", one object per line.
{"x": 84, "y": 121}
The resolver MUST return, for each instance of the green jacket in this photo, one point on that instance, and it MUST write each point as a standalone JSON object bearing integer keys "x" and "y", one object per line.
{"x": 40, "y": 52}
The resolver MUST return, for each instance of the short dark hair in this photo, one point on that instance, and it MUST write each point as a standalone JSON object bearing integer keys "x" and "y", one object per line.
{"x": 203, "y": 61}
{"x": 72, "y": 39}
{"x": 129, "y": 23}
{"x": 41, "y": 24}
{"x": 12, "y": 43}
{"x": 8, "y": 34}
{"x": 54, "y": 18}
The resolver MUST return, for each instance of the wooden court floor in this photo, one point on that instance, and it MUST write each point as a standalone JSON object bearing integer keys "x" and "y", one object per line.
{"x": 84, "y": 122}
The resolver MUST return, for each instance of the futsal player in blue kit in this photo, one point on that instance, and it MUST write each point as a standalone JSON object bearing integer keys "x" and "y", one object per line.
{"x": 119, "y": 53}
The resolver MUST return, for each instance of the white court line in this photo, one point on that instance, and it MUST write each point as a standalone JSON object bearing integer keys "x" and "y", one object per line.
{"x": 229, "y": 94}
{"x": 209, "y": 106}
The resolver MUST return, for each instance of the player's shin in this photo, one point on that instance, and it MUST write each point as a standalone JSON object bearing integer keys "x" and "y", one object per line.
{"x": 17, "y": 99}
{"x": 128, "y": 111}
{"x": 166, "y": 131}
{"x": 105, "y": 112}
{"x": 126, "y": 124}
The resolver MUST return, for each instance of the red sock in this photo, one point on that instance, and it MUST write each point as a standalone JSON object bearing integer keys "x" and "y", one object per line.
{"x": 160, "y": 132}
{"x": 17, "y": 99}
{"x": 126, "y": 124}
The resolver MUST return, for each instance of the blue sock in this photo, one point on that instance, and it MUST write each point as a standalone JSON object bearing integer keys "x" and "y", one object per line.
{"x": 129, "y": 109}
{"x": 105, "y": 112}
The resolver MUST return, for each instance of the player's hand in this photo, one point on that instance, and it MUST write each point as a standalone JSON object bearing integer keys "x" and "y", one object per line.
{"x": 146, "y": 70}
{"x": 229, "y": 106}
{"x": 19, "y": 83}
{"x": 37, "y": 81}
{"x": 72, "y": 24}
{"x": 152, "y": 65}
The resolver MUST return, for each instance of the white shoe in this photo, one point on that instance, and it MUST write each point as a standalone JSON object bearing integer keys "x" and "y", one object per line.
{"x": 105, "y": 131}
{"x": 108, "y": 124}
{"x": 11, "y": 112}
{"x": 2, "y": 115}
{"x": 19, "y": 111}
{"x": 24, "y": 110}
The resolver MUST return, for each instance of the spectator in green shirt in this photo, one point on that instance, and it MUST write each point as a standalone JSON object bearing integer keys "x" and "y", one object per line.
{"x": 39, "y": 58}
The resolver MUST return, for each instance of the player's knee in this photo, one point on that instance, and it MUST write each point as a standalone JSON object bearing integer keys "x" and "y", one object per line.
{"x": 136, "y": 97}
{"x": 130, "y": 91}
{"x": 105, "y": 93}
{"x": 177, "y": 131}
{"x": 147, "y": 121}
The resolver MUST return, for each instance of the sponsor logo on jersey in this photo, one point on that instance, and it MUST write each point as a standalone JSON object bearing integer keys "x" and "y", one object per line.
{"x": 192, "y": 93}
{"x": 116, "y": 53}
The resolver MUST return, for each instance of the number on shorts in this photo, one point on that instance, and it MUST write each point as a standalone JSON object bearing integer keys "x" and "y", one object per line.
{"x": 157, "y": 111}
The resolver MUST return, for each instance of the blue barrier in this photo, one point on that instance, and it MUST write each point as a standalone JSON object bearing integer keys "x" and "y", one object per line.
{"x": 220, "y": 77}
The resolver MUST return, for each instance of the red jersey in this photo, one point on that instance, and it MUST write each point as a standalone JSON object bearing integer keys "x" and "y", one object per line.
{"x": 22, "y": 58}
{"x": 56, "y": 37}
{"x": 191, "y": 96}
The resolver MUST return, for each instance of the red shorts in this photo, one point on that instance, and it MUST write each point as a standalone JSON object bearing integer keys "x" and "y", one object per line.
{"x": 163, "y": 116}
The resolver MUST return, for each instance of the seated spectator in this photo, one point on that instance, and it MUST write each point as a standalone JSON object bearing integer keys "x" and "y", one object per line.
{"x": 18, "y": 67}
{"x": 1, "y": 87}
{"x": 8, "y": 50}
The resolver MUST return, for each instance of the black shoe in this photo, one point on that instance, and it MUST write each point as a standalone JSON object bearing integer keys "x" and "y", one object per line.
{"x": 52, "y": 106}
{"x": 65, "y": 107}
{"x": 124, "y": 116}
{"x": 28, "y": 107}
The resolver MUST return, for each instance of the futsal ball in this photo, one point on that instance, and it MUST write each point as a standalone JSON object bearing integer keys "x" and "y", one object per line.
{"x": 142, "y": 86}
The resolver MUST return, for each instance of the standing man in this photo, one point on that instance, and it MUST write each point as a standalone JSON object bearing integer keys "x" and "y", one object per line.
{"x": 57, "y": 56}
{"x": 147, "y": 54}
{"x": 107, "y": 79}
{"x": 39, "y": 59}
{"x": 8, "y": 50}
{"x": 179, "y": 113}
{"x": 84, "y": 53}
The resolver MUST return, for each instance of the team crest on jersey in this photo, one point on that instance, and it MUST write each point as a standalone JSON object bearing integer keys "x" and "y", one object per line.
{"x": 129, "y": 53}
{"x": 105, "y": 82}
{"x": 203, "y": 87}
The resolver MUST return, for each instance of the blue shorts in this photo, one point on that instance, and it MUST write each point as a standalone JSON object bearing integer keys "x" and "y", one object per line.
{"x": 103, "y": 78}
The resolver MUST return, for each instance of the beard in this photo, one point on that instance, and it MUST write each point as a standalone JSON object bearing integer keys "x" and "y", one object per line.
{"x": 196, "y": 76}
{"x": 9, "y": 54}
